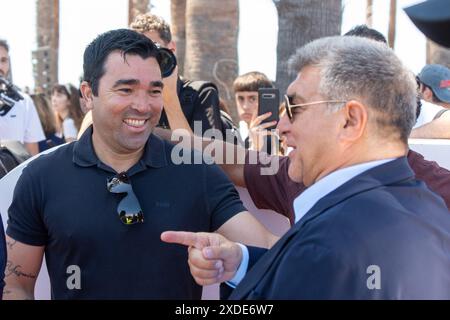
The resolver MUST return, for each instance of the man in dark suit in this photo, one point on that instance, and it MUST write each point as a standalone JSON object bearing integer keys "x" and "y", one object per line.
{"x": 365, "y": 228}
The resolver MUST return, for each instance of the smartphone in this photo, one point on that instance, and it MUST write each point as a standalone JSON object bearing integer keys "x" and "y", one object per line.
{"x": 269, "y": 101}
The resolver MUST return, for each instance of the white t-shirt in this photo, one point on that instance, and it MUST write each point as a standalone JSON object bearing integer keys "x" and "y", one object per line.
{"x": 427, "y": 113}
{"x": 69, "y": 129}
{"x": 22, "y": 123}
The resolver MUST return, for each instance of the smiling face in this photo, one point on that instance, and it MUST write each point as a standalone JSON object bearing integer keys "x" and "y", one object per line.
{"x": 129, "y": 102}
{"x": 313, "y": 131}
{"x": 247, "y": 105}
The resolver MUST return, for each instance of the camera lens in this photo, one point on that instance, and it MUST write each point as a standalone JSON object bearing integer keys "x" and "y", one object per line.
{"x": 168, "y": 62}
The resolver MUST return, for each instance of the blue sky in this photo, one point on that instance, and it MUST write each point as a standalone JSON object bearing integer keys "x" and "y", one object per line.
{"x": 82, "y": 20}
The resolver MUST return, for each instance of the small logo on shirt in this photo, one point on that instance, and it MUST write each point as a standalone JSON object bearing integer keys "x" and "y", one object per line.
{"x": 161, "y": 204}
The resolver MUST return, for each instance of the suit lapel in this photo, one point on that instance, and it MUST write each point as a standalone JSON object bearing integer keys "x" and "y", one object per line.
{"x": 390, "y": 173}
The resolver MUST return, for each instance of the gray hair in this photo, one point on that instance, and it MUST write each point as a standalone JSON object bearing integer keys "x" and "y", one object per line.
{"x": 365, "y": 70}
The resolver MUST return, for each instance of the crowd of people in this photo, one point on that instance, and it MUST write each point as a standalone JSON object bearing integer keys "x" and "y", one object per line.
{"x": 369, "y": 217}
{"x": 38, "y": 121}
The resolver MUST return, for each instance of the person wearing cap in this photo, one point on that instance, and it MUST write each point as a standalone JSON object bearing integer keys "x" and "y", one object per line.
{"x": 434, "y": 87}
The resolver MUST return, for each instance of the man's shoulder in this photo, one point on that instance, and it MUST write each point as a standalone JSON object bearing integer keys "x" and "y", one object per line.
{"x": 377, "y": 212}
{"x": 424, "y": 168}
{"x": 21, "y": 108}
{"x": 47, "y": 161}
{"x": 390, "y": 196}
{"x": 382, "y": 208}
{"x": 185, "y": 158}
{"x": 26, "y": 103}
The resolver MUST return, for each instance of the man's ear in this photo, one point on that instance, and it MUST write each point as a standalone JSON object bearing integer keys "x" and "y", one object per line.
{"x": 355, "y": 120}
{"x": 86, "y": 92}
{"x": 427, "y": 94}
{"x": 172, "y": 46}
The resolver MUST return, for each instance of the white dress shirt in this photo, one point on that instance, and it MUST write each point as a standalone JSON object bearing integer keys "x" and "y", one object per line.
{"x": 308, "y": 198}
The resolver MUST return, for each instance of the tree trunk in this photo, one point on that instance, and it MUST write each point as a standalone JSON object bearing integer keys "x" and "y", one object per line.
{"x": 437, "y": 54}
{"x": 392, "y": 23}
{"x": 369, "y": 13}
{"x": 211, "y": 45}
{"x": 299, "y": 22}
{"x": 136, "y": 7}
{"x": 46, "y": 55}
{"x": 178, "y": 28}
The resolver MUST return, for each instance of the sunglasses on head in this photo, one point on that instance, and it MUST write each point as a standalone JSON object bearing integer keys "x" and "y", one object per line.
{"x": 129, "y": 209}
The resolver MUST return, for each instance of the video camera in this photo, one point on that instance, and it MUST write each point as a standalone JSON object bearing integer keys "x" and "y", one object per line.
{"x": 167, "y": 61}
{"x": 9, "y": 95}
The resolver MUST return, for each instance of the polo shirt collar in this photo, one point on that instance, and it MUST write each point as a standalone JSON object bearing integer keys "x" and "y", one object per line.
{"x": 84, "y": 154}
{"x": 155, "y": 152}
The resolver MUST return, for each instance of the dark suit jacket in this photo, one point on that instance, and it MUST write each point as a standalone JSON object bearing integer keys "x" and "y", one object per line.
{"x": 383, "y": 219}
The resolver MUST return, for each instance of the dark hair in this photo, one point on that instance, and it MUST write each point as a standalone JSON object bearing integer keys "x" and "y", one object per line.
{"x": 72, "y": 93}
{"x": 4, "y": 44}
{"x": 123, "y": 40}
{"x": 366, "y": 32}
{"x": 251, "y": 81}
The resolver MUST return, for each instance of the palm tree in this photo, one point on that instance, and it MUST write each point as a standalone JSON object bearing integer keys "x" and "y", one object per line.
{"x": 299, "y": 22}
{"x": 211, "y": 44}
{"x": 178, "y": 28}
{"x": 46, "y": 55}
{"x": 392, "y": 23}
{"x": 369, "y": 13}
{"x": 136, "y": 7}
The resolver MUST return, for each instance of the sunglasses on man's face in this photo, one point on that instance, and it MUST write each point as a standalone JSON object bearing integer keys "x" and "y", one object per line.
{"x": 289, "y": 105}
{"x": 129, "y": 209}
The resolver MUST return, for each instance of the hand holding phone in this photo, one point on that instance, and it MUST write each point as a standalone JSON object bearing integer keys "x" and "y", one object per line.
{"x": 269, "y": 101}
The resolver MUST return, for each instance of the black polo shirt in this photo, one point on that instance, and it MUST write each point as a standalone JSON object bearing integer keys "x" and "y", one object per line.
{"x": 61, "y": 202}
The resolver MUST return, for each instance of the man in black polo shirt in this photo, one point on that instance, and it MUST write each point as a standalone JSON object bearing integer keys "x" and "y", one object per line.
{"x": 97, "y": 207}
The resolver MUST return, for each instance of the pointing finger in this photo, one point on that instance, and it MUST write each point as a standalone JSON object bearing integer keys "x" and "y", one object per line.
{"x": 196, "y": 240}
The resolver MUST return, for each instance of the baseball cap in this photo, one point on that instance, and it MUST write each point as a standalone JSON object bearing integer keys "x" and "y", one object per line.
{"x": 437, "y": 77}
{"x": 432, "y": 17}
